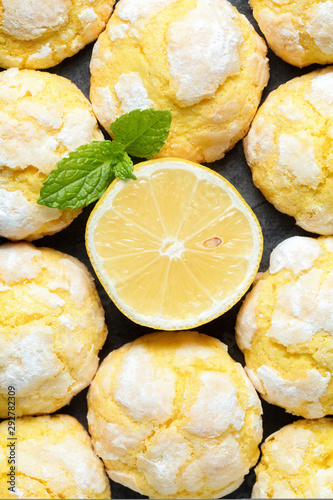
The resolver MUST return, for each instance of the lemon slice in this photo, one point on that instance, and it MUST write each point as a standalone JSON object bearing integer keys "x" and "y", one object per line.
{"x": 175, "y": 248}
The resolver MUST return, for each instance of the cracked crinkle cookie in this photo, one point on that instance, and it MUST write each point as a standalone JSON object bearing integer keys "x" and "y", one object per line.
{"x": 42, "y": 118}
{"x": 300, "y": 32}
{"x": 297, "y": 462}
{"x": 285, "y": 328}
{"x": 53, "y": 458}
{"x": 173, "y": 416}
{"x": 289, "y": 149}
{"x": 35, "y": 34}
{"x": 199, "y": 58}
{"x": 51, "y": 328}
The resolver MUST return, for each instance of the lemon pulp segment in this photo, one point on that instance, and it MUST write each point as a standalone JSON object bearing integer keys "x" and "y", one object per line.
{"x": 176, "y": 247}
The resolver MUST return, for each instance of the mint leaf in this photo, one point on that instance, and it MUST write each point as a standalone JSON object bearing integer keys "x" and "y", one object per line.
{"x": 142, "y": 132}
{"x": 84, "y": 175}
{"x": 123, "y": 168}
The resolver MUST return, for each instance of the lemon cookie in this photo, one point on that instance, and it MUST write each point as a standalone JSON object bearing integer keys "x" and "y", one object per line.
{"x": 173, "y": 416}
{"x": 52, "y": 457}
{"x": 285, "y": 328}
{"x": 289, "y": 149}
{"x": 297, "y": 462}
{"x": 199, "y": 58}
{"x": 51, "y": 328}
{"x": 300, "y": 32}
{"x": 42, "y": 118}
{"x": 40, "y": 35}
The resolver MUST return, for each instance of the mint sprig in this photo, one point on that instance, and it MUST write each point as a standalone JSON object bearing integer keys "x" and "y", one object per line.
{"x": 84, "y": 174}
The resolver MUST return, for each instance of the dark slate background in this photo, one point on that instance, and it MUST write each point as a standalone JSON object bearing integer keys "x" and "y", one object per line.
{"x": 276, "y": 227}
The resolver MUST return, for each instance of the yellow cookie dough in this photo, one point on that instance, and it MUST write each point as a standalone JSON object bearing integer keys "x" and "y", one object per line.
{"x": 42, "y": 117}
{"x": 35, "y": 34}
{"x": 173, "y": 416}
{"x": 51, "y": 328}
{"x": 289, "y": 149}
{"x": 299, "y": 31}
{"x": 52, "y": 457}
{"x": 199, "y": 58}
{"x": 285, "y": 328}
{"x": 297, "y": 462}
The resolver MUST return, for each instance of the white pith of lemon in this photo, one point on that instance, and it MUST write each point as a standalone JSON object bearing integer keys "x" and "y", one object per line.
{"x": 175, "y": 248}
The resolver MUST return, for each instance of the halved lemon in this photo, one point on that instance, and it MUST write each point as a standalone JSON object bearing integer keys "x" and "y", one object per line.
{"x": 175, "y": 248}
